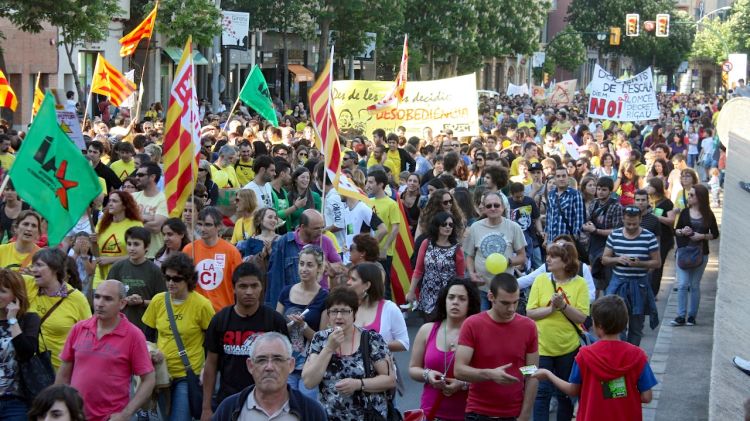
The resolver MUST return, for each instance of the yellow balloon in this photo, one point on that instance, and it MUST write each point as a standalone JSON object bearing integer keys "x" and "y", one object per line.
{"x": 496, "y": 263}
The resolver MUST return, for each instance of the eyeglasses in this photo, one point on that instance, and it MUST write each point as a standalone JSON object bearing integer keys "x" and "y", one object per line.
{"x": 174, "y": 279}
{"x": 632, "y": 210}
{"x": 493, "y": 206}
{"x": 346, "y": 158}
{"x": 447, "y": 202}
{"x": 691, "y": 195}
{"x": 203, "y": 196}
{"x": 447, "y": 225}
{"x": 305, "y": 155}
{"x": 202, "y": 169}
{"x": 456, "y": 145}
{"x": 342, "y": 312}
{"x": 262, "y": 360}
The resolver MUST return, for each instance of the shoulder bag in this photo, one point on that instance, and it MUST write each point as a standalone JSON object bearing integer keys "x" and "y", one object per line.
{"x": 584, "y": 337}
{"x": 370, "y": 413}
{"x": 691, "y": 255}
{"x": 195, "y": 391}
{"x": 37, "y": 373}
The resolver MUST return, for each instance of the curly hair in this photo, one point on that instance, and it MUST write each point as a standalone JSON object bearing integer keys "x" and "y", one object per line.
{"x": 441, "y": 312}
{"x": 131, "y": 210}
{"x": 435, "y": 205}
{"x": 368, "y": 246}
{"x": 567, "y": 252}
{"x": 183, "y": 265}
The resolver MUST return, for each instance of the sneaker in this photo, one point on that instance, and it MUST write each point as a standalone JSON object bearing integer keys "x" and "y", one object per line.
{"x": 742, "y": 364}
{"x": 690, "y": 321}
{"x": 745, "y": 186}
{"x": 680, "y": 321}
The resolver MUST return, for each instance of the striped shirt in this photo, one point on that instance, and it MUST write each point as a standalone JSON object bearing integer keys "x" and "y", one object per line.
{"x": 640, "y": 247}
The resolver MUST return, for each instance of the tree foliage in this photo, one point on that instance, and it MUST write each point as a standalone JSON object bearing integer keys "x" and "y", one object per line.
{"x": 714, "y": 40}
{"x": 178, "y": 19}
{"x": 567, "y": 50}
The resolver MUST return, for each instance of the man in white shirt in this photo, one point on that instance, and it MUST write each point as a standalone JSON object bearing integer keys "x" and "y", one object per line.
{"x": 336, "y": 212}
{"x": 152, "y": 204}
{"x": 265, "y": 172}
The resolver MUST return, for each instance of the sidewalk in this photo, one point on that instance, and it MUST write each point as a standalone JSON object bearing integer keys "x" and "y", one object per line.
{"x": 681, "y": 358}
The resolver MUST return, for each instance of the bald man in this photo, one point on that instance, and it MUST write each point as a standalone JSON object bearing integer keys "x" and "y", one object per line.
{"x": 285, "y": 254}
{"x": 110, "y": 349}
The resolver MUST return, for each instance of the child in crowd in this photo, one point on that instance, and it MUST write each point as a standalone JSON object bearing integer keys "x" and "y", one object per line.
{"x": 714, "y": 184}
{"x": 611, "y": 376}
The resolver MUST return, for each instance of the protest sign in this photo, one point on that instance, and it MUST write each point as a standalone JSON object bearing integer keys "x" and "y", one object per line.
{"x": 514, "y": 90}
{"x": 538, "y": 93}
{"x": 439, "y": 104}
{"x": 632, "y": 99}
{"x": 563, "y": 93}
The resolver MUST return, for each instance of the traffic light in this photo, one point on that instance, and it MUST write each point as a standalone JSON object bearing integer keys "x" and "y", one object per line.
{"x": 662, "y": 25}
{"x": 632, "y": 24}
{"x": 614, "y": 35}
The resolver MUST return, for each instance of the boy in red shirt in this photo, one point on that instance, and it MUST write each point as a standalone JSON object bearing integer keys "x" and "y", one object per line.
{"x": 612, "y": 377}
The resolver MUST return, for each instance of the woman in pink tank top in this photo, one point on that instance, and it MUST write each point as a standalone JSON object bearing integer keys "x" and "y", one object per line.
{"x": 433, "y": 351}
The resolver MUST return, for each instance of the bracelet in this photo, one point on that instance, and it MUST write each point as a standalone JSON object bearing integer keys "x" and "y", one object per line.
{"x": 362, "y": 384}
{"x": 426, "y": 375}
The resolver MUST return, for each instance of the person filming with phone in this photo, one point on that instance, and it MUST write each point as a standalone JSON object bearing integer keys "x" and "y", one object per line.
{"x": 633, "y": 251}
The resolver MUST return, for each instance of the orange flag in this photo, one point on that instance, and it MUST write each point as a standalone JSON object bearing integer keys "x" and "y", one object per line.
{"x": 324, "y": 120}
{"x": 38, "y": 97}
{"x": 7, "y": 96}
{"x": 181, "y": 135}
{"x": 110, "y": 82}
{"x": 396, "y": 95}
{"x": 144, "y": 30}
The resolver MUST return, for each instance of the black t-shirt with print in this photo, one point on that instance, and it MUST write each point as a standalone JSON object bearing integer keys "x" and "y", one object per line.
{"x": 230, "y": 335}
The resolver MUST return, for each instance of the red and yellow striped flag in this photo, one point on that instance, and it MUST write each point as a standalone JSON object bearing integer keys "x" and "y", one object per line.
{"x": 7, "y": 96}
{"x": 110, "y": 82}
{"x": 396, "y": 95}
{"x": 144, "y": 30}
{"x": 324, "y": 120}
{"x": 181, "y": 136}
{"x": 401, "y": 270}
{"x": 38, "y": 97}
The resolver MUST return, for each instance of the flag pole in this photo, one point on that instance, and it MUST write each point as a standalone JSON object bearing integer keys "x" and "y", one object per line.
{"x": 143, "y": 71}
{"x": 229, "y": 117}
{"x": 88, "y": 103}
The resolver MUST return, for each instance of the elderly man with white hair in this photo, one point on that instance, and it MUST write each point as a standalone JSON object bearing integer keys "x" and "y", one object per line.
{"x": 270, "y": 398}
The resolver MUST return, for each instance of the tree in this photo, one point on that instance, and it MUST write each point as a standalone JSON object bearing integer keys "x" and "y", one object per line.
{"x": 739, "y": 22}
{"x": 178, "y": 19}
{"x": 566, "y": 50}
{"x": 714, "y": 40}
{"x": 674, "y": 49}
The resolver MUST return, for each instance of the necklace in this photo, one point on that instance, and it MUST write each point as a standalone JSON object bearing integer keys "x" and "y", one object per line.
{"x": 448, "y": 350}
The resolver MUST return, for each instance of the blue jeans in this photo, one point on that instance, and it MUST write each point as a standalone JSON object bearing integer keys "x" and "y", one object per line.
{"x": 295, "y": 381}
{"x": 634, "y": 332}
{"x": 561, "y": 366}
{"x": 692, "y": 160}
{"x": 13, "y": 409}
{"x": 689, "y": 280}
{"x": 485, "y": 302}
{"x": 179, "y": 408}
{"x": 536, "y": 257}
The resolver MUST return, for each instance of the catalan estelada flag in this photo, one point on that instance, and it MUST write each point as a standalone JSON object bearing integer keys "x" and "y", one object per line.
{"x": 144, "y": 30}
{"x": 38, "y": 97}
{"x": 110, "y": 82}
{"x": 7, "y": 96}
{"x": 324, "y": 120}
{"x": 396, "y": 95}
{"x": 181, "y": 135}
{"x": 403, "y": 248}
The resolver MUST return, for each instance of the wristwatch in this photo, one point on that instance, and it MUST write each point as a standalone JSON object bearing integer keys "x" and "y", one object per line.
{"x": 12, "y": 321}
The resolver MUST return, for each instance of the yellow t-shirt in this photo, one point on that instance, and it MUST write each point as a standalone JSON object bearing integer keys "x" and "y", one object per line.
{"x": 112, "y": 244}
{"x": 556, "y": 335}
{"x": 243, "y": 229}
{"x": 223, "y": 177}
{"x": 387, "y": 210}
{"x": 393, "y": 161}
{"x": 514, "y": 165}
{"x": 191, "y": 317}
{"x": 679, "y": 203}
{"x": 523, "y": 124}
{"x": 123, "y": 169}
{"x": 371, "y": 161}
{"x": 10, "y": 258}
{"x": 6, "y": 160}
{"x": 57, "y": 326}
{"x": 156, "y": 205}
{"x": 244, "y": 172}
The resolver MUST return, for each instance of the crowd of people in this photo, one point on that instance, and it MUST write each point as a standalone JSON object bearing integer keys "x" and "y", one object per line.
{"x": 270, "y": 296}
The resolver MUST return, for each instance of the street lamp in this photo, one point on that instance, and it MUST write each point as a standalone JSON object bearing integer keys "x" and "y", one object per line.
{"x": 601, "y": 36}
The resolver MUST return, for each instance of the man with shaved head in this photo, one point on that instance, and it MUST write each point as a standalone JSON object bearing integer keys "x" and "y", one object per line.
{"x": 110, "y": 349}
{"x": 283, "y": 269}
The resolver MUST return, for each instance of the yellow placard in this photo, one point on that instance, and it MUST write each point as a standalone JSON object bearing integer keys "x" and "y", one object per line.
{"x": 439, "y": 104}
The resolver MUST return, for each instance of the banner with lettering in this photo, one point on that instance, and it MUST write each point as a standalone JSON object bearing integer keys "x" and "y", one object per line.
{"x": 563, "y": 93}
{"x": 632, "y": 99}
{"x": 439, "y": 104}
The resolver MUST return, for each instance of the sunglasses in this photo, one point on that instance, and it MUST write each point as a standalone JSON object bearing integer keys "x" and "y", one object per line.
{"x": 447, "y": 225}
{"x": 140, "y": 174}
{"x": 447, "y": 202}
{"x": 174, "y": 279}
{"x": 580, "y": 164}
{"x": 305, "y": 155}
{"x": 632, "y": 211}
{"x": 493, "y": 206}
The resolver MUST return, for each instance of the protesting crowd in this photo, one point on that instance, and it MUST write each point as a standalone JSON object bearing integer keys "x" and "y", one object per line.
{"x": 539, "y": 248}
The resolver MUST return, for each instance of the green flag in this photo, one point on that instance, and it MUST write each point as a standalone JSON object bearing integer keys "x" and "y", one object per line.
{"x": 255, "y": 94}
{"x": 52, "y": 175}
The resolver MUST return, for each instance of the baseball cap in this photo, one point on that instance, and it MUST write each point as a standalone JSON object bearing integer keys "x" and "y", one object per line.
{"x": 535, "y": 166}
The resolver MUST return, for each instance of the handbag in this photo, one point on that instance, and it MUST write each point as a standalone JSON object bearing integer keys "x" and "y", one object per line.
{"x": 195, "y": 391}
{"x": 690, "y": 256}
{"x": 585, "y": 338}
{"x": 37, "y": 372}
{"x": 371, "y": 414}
